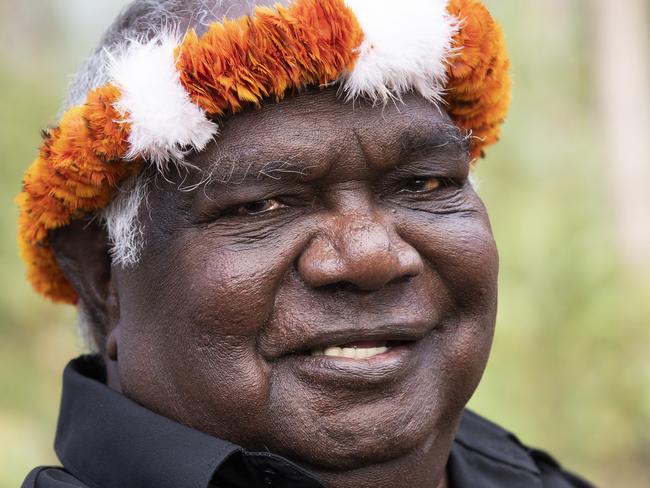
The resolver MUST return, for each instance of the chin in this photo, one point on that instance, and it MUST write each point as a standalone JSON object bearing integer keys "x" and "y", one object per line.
{"x": 358, "y": 436}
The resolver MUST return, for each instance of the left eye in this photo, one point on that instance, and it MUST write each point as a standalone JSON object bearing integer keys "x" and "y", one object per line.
{"x": 421, "y": 185}
{"x": 258, "y": 207}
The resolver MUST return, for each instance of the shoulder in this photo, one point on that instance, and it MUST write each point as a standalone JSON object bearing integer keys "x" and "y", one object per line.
{"x": 51, "y": 477}
{"x": 484, "y": 449}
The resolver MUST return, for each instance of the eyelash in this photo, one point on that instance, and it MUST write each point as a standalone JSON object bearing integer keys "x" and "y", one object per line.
{"x": 436, "y": 183}
{"x": 441, "y": 183}
{"x": 234, "y": 211}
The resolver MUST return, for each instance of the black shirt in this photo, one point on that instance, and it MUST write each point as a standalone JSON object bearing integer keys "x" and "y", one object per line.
{"x": 105, "y": 440}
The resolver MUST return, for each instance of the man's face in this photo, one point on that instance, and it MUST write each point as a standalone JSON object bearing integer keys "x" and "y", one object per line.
{"x": 314, "y": 224}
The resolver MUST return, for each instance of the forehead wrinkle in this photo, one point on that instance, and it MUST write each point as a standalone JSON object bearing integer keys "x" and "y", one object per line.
{"x": 291, "y": 151}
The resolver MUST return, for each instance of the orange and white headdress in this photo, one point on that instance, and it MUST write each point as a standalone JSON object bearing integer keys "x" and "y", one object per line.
{"x": 165, "y": 94}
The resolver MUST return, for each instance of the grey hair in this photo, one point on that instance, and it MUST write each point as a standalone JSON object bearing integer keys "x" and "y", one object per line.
{"x": 140, "y": 20}
{"x": 121, "y": 218}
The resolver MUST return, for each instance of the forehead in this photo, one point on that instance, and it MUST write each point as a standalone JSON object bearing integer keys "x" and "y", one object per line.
{"x": 316, "y": 129}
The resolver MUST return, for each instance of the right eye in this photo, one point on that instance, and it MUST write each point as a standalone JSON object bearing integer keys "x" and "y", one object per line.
{"x": 256, "y": 208}
{"x": 421, "y": 185}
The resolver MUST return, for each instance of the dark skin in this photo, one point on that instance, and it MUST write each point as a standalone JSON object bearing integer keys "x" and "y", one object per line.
{"x": 321, "y": 224}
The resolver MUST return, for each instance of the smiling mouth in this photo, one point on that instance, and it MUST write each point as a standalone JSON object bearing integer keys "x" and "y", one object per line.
{"x": 363, "y": 356}
{"x": 355, "y": 362}
{"x": 359, "y": 350}
{"x": 371, "y": 345}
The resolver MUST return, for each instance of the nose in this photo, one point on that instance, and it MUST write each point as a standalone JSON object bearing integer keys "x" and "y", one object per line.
{"x": 363, "y": 252}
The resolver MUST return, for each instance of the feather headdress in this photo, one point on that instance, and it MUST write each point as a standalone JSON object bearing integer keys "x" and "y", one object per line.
{"x": 165, "y": 93}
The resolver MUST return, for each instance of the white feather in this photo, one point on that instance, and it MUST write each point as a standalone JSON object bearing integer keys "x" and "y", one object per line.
{"x": 406, "y": 47}
{"x": 164, "y": 121}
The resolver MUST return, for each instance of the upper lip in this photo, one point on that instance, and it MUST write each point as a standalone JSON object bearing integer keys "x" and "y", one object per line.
{"x": 328, "y": 336}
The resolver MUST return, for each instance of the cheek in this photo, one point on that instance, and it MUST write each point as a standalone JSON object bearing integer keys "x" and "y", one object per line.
{"x": 466, "y": 351}
{"x": 461, "y": 250}
{"x": 205, "y": 312}
{"x": 208, "y": 285}
{"x": 234, "y": 285}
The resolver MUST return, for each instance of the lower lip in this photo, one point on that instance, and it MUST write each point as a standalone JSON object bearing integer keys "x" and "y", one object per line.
{"x": 343, "y": 372}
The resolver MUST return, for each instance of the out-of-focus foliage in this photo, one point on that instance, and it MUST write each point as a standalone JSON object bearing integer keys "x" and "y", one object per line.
{"x": 41, "y": 42}
{"x": 570, "y": 369}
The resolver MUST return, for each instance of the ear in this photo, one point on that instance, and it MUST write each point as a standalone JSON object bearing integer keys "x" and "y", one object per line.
{"x": 82, "y": 251}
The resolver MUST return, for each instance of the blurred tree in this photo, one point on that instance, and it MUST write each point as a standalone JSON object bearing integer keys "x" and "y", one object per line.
{"x": 623, "y": 75}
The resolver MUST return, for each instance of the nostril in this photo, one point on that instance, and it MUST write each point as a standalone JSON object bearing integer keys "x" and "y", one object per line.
{"x": 349, "y": 287}
{"x": 400, "y": 280}
{"x": 342, "y": 287}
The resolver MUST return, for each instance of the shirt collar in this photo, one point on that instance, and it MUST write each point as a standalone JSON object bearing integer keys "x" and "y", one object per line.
{"x": 105, "y": 439}
{"x": 484, "y": 454}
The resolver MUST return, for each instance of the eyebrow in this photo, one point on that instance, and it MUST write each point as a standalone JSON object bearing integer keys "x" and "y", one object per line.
{"x": 252, "y": 163}
{"x": 439, "y": 138}
{"x": 237, "y": 169}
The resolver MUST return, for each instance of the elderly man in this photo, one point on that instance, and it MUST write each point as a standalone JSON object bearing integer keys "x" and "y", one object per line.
{"x": 265, "y": 218}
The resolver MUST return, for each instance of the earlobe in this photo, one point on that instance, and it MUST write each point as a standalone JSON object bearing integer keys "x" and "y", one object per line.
{"x": 112, "y": 343}
{"x": 112, "y": 306}
{"x": 110, "y": 355}
{"x": 82, "y": 252}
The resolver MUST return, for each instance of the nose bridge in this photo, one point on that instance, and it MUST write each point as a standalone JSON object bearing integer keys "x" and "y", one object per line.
{"x": 360, "y": 248}
{"x": 362, "y": 241}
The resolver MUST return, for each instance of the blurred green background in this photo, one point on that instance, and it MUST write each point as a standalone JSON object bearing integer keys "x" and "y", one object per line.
{"x": 566, "y": 190}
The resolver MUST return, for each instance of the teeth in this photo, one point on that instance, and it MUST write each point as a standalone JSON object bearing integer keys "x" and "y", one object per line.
{"x": 350, "y": 352}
